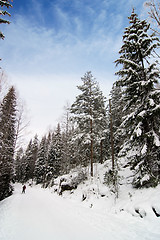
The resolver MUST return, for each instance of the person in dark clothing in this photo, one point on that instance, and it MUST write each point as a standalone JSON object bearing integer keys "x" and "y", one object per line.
{"x": 23, "y": 188}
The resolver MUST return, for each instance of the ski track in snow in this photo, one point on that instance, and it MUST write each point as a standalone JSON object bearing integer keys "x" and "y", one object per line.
{"x": 41, "y": 215}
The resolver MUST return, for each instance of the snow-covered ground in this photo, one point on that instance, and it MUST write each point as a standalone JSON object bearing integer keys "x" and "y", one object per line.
{"x": 43, "y": 215}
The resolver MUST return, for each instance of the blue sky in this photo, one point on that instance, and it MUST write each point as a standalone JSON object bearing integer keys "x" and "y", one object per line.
{"x": 50, "y": 44}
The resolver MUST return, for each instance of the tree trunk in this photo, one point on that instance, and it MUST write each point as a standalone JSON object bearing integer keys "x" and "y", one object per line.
{"x": 111, "y": 130}
{"x": 91, "y": 125}
{"x": 101, "y": 149}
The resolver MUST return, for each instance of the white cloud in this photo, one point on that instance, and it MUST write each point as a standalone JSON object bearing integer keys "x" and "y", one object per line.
{"x": 37, "y": 50}
{"x": 36, "y": 9}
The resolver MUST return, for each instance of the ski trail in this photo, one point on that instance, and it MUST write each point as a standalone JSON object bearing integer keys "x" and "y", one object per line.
{"x": 40, "y": 215}
{"x": 33, "y": 216}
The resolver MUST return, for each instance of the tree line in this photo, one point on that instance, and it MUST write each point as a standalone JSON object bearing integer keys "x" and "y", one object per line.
{"x": 95, "y": 129}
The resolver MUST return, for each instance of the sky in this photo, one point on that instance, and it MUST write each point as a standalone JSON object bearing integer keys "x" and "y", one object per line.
{"x": 51, "y": 44}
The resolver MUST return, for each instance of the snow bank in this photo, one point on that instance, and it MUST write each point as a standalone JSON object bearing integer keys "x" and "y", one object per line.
{"x": 93, "y": 193}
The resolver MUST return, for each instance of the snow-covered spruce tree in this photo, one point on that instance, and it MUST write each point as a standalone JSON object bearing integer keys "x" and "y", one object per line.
{"x": 41, "y": 161}
{"x": 117, "y": 115}
{"x": 30, "y": 157}
{"x": 51, "y": 171}
{"x": 75, "y": 155}
{"x": 142, "y": 102}
{"x": 27, "y": 162}
{"x": 89, "y": 113}
{"x": 58, "y": 147}
{"x": 67, "y": 132}
{"x": 34, "y": 151}
{"x": 7, "y": 4}
{"x": 18, "y": 166}
{"x": 115, "y": 107}
{"x": 7, "y": 142}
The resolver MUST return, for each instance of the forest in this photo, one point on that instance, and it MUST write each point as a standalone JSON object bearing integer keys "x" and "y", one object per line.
{"x": 122, "y": 131}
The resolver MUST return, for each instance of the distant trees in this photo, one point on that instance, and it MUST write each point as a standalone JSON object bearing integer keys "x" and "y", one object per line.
{"x": 58, "y": 146}
{"x": 51, "y": 165}
{"x": 29, "y": 159}
{"x": 41, "y": 162}
{"x": 142, "y": 101}
{"x": 28, "y": 163}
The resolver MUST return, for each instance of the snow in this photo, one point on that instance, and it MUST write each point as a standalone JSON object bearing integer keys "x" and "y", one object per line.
{"x": 42, "y": 214}
{"x": 156, "y": 139}
{"x": 145, "y": 178}
{"x": 138, "y": 130}
{"x": 144, "y": 149}
{"x": 142, "y": 113}
{"x": 151, "y": 102}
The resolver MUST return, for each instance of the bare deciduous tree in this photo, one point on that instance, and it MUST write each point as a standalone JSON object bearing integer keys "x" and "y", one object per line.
{"x": 3, "y": 84}
{"x": 154, "y": 13}
{"x": 21, "y": 125}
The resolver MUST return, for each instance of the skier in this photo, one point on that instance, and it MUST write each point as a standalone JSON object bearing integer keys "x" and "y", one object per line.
{"x": 23, "y": 188}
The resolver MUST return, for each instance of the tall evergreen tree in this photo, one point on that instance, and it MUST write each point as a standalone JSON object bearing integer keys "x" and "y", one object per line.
{"x": 7, "y": 141}
{"x": 30, "y": 158}
{"x": 19, "y": 170}
{"x": 58, "y": 146}
{"x": 142, "y": 101}
{"x": 28, "y": 163}
{"x": 40, "y": 164}
{"x": 67, "y": 132}
{"x": 35, "y": 147}
{"x": 117, "y": 105}
{"x": 89, "y": 113}
{"x": 50, "y": 166}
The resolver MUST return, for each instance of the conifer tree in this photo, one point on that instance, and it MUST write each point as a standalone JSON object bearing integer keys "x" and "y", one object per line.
{"x": 7, "y": 141}
{"x": 50, "y": 166}
{"x": 58, "y": 147}
{"x": 19, "y": 171}
{"x": 30, "y": 158}
{"x": 35, "y": 146}
{"x": 28, "y": 163}
{"x": 117, "y": 105}
{"x": 40, "y": 164}
{"x": 6, "y": 4}
{"x": 67, "y": 132}
{"x": 142, "y": 101}
{"x": 90, "y": 116}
